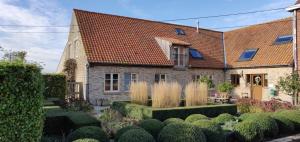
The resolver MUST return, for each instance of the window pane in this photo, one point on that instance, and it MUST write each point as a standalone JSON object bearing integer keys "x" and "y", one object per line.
{"x": 115, "y": 76}
{"x": 162, "y": 77}
{"x": 107, "y": 76}
{"x": 107, "y": 85}
{"x": 133, "y": 77}
{"x": 115, "y": 85}
{"x": 248, "y": 55}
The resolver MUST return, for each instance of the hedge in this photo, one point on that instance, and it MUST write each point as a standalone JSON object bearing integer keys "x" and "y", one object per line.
{"x": 136, "y": 135}
{"x": 55, "y": 86}
{"x": 285, "y": 125}
{"x": 87, "y": 140}
{"x": 223, "y": 118}
{"x": 292, "y": 115}
{"x": 21, "y": 113}
{"x": 121, "y": 131}
{"x": 195, "y": 117}
{"x": 249, "y": 131}
{"x": 145, "y": 112}
{"x": 267, "y": 124}
{"x": 212, "y": 130}
{"x": 172, "y": 120}
{"x": 88, "y": 132}
{"x": 152, "y": 126}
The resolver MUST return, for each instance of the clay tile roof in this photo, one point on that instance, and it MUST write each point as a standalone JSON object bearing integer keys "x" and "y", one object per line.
{"x": 175, "y": 41}
{"x": 122, "y": 40}
{"x": 298, "y": 2}
{"x": 262, "y": 37}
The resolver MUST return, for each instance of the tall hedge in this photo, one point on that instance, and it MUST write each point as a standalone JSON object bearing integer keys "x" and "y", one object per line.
{"x": 55, "y": 86}
{"x": 21, "y": 97}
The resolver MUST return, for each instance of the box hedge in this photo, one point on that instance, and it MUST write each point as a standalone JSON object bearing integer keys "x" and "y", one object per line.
{"x": 152, "y": 126}
{"x": 21, "y": 113}
{"x": 145, "y": 112}
{"x": 55, "y": 86}
{"x": 212, "y": 130}
{"x": 88, "y": 132}
{"x": 136, "y": 135}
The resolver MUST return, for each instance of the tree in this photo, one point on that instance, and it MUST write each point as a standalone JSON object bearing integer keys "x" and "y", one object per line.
{"x": 290, "y": 84}
{"x": 12, "y": 56}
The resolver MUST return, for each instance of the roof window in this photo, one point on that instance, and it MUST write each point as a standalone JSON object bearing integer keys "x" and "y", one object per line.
{"x": 248, "y": 54}
{"x": 284, "y": 39}
{"x": 179, "y": 31}
{"x": 195, "y": 53}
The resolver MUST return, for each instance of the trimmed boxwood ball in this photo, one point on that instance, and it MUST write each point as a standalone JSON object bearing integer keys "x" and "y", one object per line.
{"x": 245, "y": 116}
{"x": 248, "y": 131}
{"x": 222, "y": 118}
{"x": 292, "y": 115}
{"x": 136, "y": 135}
{"x": 212, "y": 130}
{"x": 86, "y": 140}
{"x": 267, "y": 124}
{"x": 153, "y": 126}
{"x": 92, "y": 132}
{"x": 285, "y": 125}
{"x": 121, "y": 131}
{"x": 173, "y": 120}
{"x": 194, "y": 117}
{"x": 181, "y": 132}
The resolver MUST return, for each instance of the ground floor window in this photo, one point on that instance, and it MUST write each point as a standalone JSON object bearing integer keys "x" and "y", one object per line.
{"x": 111, "y": 82}
{"x": 235, "y": 79}
{"x": 196, "y": 78}
{"x": 128, "y": 78}
{"x": 160, "y": 77}
{"x": 257, "y": 79}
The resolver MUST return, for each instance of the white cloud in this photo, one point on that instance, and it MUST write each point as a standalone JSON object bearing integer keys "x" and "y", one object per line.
{"x": 41, "y": 47}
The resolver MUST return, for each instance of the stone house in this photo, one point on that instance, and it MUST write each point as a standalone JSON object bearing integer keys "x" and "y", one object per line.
{"x": 112, "y": 51}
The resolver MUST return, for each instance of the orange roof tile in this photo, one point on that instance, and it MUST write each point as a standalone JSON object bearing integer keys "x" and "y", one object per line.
{"x": 175, "y": 41}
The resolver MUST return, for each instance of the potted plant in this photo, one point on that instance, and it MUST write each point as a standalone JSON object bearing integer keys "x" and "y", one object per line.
{"x": 225, "y": 89}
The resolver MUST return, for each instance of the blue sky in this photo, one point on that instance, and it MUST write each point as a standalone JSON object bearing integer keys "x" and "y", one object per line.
{"x": 46, "y": 48}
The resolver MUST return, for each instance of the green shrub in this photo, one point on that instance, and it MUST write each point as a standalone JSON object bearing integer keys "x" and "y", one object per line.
{"x": 55, "y": 86}
{"x": 292, "y": 115}
{"x": 181, "y": 132}
{"x": 136, "y": 135}
{"x": 152, "y": 126}
{"x": 121, "y": 131}
{"x": 172, "y": 120}
{"x": 52, "y": 138}
{"x": 88, "y": 132}
{"x": 249, "y": 131}
{"x": 222, "y": 118}
{"x": 212, "y": 130}
{"x": 225, "y": 87}
{"x": 285, "y": 125}
{"x": 87, "y": 140}
{"x": 194, "y": 117}
{"x": 21, "y": 107}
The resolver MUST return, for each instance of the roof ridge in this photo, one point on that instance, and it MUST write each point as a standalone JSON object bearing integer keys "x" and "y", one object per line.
{"x": 144, "y": 20}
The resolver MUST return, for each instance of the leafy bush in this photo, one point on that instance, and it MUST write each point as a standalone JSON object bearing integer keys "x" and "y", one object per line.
{"x": 136, "y": 135}
{"x": 86, "y": 140}
{"x": 285, "y": 125}
{"x": 229, "y": 125}
{"x": 267, "y": 124}
{"x": 222, "y": 118}
{"x": 194, "y": 117}
{"x": 79, "y": 105}
{"x": 181, "y": 132}
{"x": 88, "y": 132}
{"x": 172, "y": 120}
{"x": 249, "y": 131}
{"x": 208, "y": 81}
{"x": 21, "y": 113}
{"x": 292, "y": 115}
{"x": 123, "y": 130}
{"x": 55, "y": 86}
{"x": 225, "y": 87}
{"x": 152, "y": 126}
{"x": 212, "y": 130}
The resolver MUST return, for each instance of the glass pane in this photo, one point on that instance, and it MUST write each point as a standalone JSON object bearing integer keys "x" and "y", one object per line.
{"x": 115, "y": 76}
{"x": 248, "y": 55}
{"x": 115, "y": 85}
{"x": 107, "y": 85}
{"x": 133, "y": 77}
{"x": 107, "y": 76}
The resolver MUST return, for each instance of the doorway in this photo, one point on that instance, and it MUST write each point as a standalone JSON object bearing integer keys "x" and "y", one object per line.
{"x": 257, "y": 82}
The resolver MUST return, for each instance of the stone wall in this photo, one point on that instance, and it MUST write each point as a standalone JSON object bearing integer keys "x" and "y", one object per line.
{"x": 96, "y": 79}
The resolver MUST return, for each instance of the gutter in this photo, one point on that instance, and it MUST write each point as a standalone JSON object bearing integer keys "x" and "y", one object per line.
{"x": 295, "y": 50}
{"x": 87, "y": 90}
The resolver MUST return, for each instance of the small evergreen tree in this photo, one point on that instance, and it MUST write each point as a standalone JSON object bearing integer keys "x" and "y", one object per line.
{"x": 290, "y": 84}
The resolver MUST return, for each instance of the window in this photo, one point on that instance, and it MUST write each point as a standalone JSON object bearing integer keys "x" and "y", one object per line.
{"x": 160, "y": 77}
{"x": 195, "y": 54}
{"x": 235, "y": 79}
{"x": 128, "y": 78}
{"x": 196, "y": 78}
{"x": 179, "y": 31}
{"x": 265, "y": 80}
{"x": 111, "y": 82}
{"x": 248, "y": 54}
{"x": 179, "y": 56}
{"x": 284, "y": 39}
{"x": 76, "y": 48}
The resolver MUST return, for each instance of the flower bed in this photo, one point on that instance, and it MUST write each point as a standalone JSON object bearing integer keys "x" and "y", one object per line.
{"x": 145, "y": 112}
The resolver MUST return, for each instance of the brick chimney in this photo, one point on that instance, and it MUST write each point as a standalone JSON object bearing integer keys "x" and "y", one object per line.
{"x": 295, "y": 9}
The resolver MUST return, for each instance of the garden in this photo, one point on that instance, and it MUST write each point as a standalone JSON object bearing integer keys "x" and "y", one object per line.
{"x": 34, "y": 107}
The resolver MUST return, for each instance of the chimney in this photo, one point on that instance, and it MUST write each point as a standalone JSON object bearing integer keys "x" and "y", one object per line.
{"x": 198, "y": 26}
{"x": 295, "y": 9}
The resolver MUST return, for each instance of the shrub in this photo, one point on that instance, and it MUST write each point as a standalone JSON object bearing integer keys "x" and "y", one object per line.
{"x": 212, "y": 130}
{"x": 152, "y": 126}
{"x": 267, "y": 124}
{"x": 88, "y": 132}
{"x": 285, "y": 125}
{"x": 136, "y": 135}
{"x": 172, "y": 120}
{"x": 181, "y": 132}
{"x": 248, "y": 131}
{"x": 194, "y": 117}
{"x": 86, "y": 140}
{"x": 225, "y": 87}
{"x": 123, "y": 130}
{"x": 222, "y": 118}
{"x": 292, "y": 115}
{"x": 139, "y": 93}
{"x": 55, "y": 86}
{"x": 196, "y": 94}
{"x": 165, "y": 95}
{"x": 21, "y": 112}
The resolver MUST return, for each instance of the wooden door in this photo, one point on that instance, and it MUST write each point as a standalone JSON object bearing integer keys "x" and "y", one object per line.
{"x": 256, "y": 86}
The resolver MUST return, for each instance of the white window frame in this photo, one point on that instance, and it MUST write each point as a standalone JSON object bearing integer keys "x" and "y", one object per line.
{"x": 111, "y": 82}
{"x": 136, "y": 77}
{"x": 178, "y": 48}
{"x": 76, "y": 47}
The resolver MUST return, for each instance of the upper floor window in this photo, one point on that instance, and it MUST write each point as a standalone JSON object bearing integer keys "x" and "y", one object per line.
{"x": 179, "y": 31}
{"x": 180, "y": 56}
{"x": 128, "y": 79}
{"x": 160, "y": 78}
{"x": 76, "y": 48}
{"x": 111, "y": 82}
{"x": 284, "y": 39}
{"x": 248, "y": 54}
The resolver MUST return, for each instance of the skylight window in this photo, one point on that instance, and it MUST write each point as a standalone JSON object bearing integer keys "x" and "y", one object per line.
{"x": 284, "y": 39}
{"x": 179, "y": 31}
{"x": 195, "y": 54}
{"x": 248, "y": 54}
